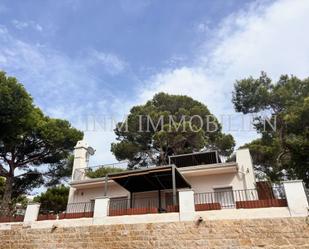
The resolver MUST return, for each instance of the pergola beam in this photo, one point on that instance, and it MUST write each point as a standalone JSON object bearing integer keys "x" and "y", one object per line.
{"x": 174, "y": 185}
{"x": 105, "y": 185}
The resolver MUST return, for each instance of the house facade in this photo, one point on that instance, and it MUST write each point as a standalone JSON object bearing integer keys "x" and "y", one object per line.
{"x": 157, "y": 187}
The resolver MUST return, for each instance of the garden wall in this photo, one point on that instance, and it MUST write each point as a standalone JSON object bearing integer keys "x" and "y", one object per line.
{"x": 215, "y": 234}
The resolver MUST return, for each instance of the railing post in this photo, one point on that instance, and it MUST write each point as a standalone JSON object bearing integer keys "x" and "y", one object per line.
{"x": 105, "y": 185}
{"x": 101, "y": 207}
{"x": 296, "y": 197}
{"x": 186, "y": 205}
{"x": 85, "y": 205}
{"x": 32, "y": 212}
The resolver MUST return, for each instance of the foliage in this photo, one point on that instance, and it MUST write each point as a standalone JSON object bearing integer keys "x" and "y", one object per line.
{"x": 263, "y": 154}
{"x": 102, "y": 171}
{"x": 28, "y": 140}
{"x": 54, "y": 199}
{"x": 282, "y": 152}
{"x": 153, "y": 146}
{"x": 2, "y": 186}
{"x": 17, "y": 198}
{"x": 60, "y": 172}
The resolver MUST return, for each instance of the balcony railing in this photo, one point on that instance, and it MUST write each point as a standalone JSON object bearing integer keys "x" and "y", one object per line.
{"x": 73, "y": 211}
{"x": 127, "y": 206}
{"x": 248, "y": 198}
{"x": 14, "y": 214}
{"x": 84, "y": 173}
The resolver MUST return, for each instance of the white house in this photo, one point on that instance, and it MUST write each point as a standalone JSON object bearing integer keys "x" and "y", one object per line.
{"x": 216, "y": 184}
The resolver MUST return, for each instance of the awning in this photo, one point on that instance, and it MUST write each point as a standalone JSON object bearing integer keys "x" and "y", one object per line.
{"x": 156, "y": 178}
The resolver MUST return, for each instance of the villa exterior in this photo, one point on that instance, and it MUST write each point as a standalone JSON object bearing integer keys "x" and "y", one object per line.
{"x": 216, "y": 184}
{"x": 191, "y": 187}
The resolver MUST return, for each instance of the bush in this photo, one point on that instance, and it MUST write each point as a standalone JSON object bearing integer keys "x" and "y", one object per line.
{"x": 103, "y": 171}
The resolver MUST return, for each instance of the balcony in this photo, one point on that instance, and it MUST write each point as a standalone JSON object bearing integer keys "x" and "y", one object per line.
{"x": 134, "y": 206}
{"x": 73, "y": 211}
{"x": 247, "y": 198}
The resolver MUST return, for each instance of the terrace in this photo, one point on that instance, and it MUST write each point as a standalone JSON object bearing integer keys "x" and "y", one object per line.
{"x": 152, "y": 189}
{"x": 203, "y": 179}
{"x": 234, "y": 199}
{"x": 278, "y": 200}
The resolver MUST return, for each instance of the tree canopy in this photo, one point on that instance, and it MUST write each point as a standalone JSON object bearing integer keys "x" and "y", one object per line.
{"x": 54, "y": 199}
{"x": 102, "y": 171}
{"x": 282, "y": 152}
{"x": 168, "y": 125}
{"x": 33, "y": 146}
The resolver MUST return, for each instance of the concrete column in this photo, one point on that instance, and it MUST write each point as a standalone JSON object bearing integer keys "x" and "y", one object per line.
{"x": 296, "y": 197}
{"x": 245, "y": 168}
{"x": 186, "y": 205}
{"x": 32, "y": 212}
{"x": 101, "y": 207}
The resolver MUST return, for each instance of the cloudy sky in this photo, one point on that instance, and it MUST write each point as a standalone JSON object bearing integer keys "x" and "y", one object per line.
{"x": 85, "y": 60}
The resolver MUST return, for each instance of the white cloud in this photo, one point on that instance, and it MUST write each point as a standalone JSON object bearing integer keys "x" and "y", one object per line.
{"x": 271, "y": 38}
{"x": 267, "y": 37}
{"x": 19, "y": 24}
{"x": 30, "y": 24}
{"x": 65, "y": 87}
{"x": 38, "y": 27}
{"x": 111, "y": 62}
{"x": 245, "y": 44}
{"x": 202, "y": 27}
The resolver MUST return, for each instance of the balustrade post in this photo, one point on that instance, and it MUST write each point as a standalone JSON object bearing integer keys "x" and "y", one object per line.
{"x": 101, "y": 207}
{"x": 32, "y": 212}
{"x": 186, "y": 205}
{"x": 296, "y": 197}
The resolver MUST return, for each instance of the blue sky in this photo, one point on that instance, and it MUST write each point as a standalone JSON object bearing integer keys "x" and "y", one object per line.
{"x": 100, "y": 58}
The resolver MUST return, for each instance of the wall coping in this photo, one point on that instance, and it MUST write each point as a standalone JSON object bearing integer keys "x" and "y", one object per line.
{"x": 292, "y": 181}
{"x": 102, "y": 197}
{"x": 226, "y": 214}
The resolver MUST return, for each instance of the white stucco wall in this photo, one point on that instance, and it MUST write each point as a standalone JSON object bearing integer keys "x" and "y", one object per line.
{"x": 254, "y": 213}
{"x": 207, "y": 183}
{"x": 81, "y": 158}
{"x": 88, "y": 194}
{"x": 245, "y": 167}
{"x": 201, "y": 182}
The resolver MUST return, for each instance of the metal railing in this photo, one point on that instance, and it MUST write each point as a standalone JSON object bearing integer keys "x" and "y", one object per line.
{"x": 247, "y": 198}
{"x": 13, "y": 214}
{"x": 11, "y": 218}
{"x": 80, "y": 207}
{"x": 81, "y": 174}
{"x": 73, "y": 211}
{"x": 127, "y": 206}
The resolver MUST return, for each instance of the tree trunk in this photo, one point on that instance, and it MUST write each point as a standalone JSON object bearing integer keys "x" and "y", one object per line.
{"x": 7, "y": 195}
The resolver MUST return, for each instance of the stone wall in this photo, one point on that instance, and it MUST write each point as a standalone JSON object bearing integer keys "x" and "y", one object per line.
{"x": 242, "y": 234}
